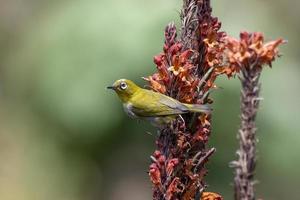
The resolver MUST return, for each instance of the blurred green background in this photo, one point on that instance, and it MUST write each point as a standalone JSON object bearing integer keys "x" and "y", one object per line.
{"x": 64, "y": 137}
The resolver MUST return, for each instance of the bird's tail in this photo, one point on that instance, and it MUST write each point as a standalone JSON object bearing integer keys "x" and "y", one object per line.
{"x": 199, "y": 108}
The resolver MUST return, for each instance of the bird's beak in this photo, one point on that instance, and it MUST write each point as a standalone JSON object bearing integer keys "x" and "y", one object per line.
{"x": 110, "y": 88}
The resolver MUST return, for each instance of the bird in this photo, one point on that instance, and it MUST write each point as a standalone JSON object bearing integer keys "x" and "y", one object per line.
{"x": 159, "y": 109}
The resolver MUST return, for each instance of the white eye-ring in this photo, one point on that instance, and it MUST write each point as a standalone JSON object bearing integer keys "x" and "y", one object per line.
{"x": 123, "y": 85}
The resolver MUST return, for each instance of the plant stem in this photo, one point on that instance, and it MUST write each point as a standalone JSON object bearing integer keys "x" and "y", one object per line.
{"x": 246, "y": 163}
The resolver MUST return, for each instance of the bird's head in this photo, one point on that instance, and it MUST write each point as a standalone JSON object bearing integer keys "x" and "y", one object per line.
{"x": 124, "y": 88}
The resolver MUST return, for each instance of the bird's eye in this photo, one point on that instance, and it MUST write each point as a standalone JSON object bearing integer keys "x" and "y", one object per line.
{"x": 123, "y": 85}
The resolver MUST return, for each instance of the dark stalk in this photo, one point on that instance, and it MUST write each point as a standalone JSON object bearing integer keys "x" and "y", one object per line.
{"x": 246, "y": 163}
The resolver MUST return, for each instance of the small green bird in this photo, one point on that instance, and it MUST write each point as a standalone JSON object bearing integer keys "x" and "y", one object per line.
{"x": 158, "y": 108}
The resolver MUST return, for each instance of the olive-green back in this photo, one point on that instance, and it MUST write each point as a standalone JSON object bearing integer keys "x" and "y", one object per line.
{"x": 146, "y": 103}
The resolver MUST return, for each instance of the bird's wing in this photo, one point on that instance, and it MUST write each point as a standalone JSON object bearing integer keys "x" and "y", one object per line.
{"x": 173, "y": 104}
{"x": 158, "y": 105}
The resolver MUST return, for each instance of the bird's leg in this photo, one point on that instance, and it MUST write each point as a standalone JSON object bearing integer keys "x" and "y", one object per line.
{"x": 171, "y": 124}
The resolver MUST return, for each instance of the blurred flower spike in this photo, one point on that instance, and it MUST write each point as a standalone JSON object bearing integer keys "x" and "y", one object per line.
{"x": 247, "y": 56}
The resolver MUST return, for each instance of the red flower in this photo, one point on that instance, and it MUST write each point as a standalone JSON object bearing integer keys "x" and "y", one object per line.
{"x": 250, "y": 51}
{"x": 173, "y": 188}
{"x": 154, "y": 174}
{"x": 211, "y": 196}
{"x": 171, "y": 165}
